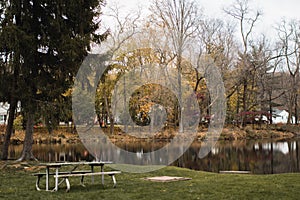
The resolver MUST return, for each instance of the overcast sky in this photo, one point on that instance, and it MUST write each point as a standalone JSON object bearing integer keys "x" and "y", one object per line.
{"x": 273, "y": 10}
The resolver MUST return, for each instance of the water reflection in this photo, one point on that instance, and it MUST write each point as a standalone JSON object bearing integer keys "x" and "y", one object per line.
{"x": 150, "y": 154}
{"x": 260, "y": 157}
{"x": 54, "y": 152}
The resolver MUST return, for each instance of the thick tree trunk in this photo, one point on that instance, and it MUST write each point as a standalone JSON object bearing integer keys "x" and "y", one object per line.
{"x": 28, "y": 141}
{"x": 112, "y": 125}
{"x": 13, "y": 88}
{"x": 9, "y": 127}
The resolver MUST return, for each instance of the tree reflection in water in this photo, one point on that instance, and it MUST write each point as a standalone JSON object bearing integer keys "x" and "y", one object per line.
{"x": 259, "y": 157}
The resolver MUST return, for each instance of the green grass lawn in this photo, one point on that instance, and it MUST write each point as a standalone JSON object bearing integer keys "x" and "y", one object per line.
{"x": 19, "y": 184}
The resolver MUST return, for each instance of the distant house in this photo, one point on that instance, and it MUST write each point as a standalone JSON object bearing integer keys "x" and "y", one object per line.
{"x": 3, "y": 113}
{"x": 4, "y": 107}
{"x": 281, "y": 117}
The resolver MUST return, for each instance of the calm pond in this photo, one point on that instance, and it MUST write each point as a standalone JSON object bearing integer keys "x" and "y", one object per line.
{"x": 259, "y": 157}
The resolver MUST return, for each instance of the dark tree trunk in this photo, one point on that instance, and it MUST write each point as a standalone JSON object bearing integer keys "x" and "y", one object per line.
{"x": 237, "y": 110}
{"x": 270, "y": 108}
{"x": 13, "y": 98}
{"x": 9, "y": 127}
{"x": 296, "y": 109}
{"x": 245, "y": 99}
{"x": 110, "y": 115}
{"x": 112, "y": 125}
{"x": 28, "y": 141}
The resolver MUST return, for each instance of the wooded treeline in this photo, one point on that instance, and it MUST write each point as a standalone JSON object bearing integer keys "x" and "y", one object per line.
{"x": 43, "y": 43}
{"x": 260, "y": 72}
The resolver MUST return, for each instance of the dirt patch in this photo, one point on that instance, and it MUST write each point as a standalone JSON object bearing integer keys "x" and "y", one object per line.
{"x": 166, "y": 179}
{"x": 20, "y": 166}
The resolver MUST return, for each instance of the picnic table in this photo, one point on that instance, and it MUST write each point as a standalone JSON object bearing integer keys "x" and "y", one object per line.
{"x": 64, "y": 175}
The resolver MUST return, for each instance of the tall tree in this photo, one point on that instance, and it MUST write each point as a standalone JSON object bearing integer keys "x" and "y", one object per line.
{"x": 54, "y": 38}
{"x": 179, "y": 20}
{"x": 247, "y": 19}
{"x": 119, "y": 41}
{"x": 215, "y": 40}
{"x": 11, "y": 63}
{"x": 289, "y": 35}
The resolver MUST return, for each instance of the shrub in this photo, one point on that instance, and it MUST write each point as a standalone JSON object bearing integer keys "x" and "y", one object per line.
{"x": 2, "y": 127}
{"x": 18, "y": 123}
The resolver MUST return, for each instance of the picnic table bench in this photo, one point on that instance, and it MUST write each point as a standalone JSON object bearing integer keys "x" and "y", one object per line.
{"x": 64, "y": 175}
{"x": 40, "y": 175}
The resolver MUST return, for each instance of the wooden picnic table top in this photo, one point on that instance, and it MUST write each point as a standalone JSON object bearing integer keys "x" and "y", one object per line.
{"x": 59, "y": 164}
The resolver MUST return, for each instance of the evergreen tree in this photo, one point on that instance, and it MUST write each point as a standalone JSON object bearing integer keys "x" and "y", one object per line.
{"x": 53, "y": 38}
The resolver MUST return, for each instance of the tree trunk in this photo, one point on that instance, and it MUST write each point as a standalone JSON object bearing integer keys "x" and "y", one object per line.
{"x": 125, "y": 105}
{"x": 290, "y": 108}
{"x": 245, "y": 99}
{"x": 112, "y": 125}
{"x": 28, "y": 141}
{"x": 13, "y": 99}
{"x": 296, "y": 108}
{"x": 238, "y": 107}
{"x": 152, "y": 122}
{"x": 9, "y": 127}
{"x": 270, "y": 108}
{"x": 110, "y": 115}
{"x": 180, "y": 108}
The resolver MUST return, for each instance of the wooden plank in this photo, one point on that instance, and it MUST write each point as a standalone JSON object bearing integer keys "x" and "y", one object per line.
{"x": 59, "y": 164}
{"x": 89, "y": 174}
{"x": 234, "y": 172}
{"x": 68, "y": 172}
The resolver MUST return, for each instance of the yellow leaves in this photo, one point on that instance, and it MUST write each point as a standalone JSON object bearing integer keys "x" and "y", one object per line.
{"x": 68, "y": 92}
{"x": 138, "y": 57}
{"x": 145, "y": 108}
{"x": 39, "y": 91}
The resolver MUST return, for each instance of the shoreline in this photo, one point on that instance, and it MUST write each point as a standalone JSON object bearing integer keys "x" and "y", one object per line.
{"x": 63, "y": 136}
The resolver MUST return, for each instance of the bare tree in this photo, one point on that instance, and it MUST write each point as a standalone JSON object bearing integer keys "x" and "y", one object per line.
{"x": 122, "y": 29}
{"x": 214, "y": 43}
{"x": 289, "y": 35}
{"x": 270, "y": 87}
{"x": 247, "y": 19}
{"x": 179, "y": 20}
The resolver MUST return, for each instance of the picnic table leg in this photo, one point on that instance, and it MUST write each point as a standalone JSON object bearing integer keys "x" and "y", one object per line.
{"x": 47, "y": 178}
{"x": 92, "y": 168}
{"x": 114, "y": 180}
{"x": 37, "y": 183}
{"x": 81, "y": 181}
{"x": 102, "y": 174}
{"x": 68, "y": 184}
{"x": 56, "y": 179}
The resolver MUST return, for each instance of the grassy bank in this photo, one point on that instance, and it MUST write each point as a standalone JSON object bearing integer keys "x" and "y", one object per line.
{"x": 17, "y": 183}
{"x": 63, "y": 135}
